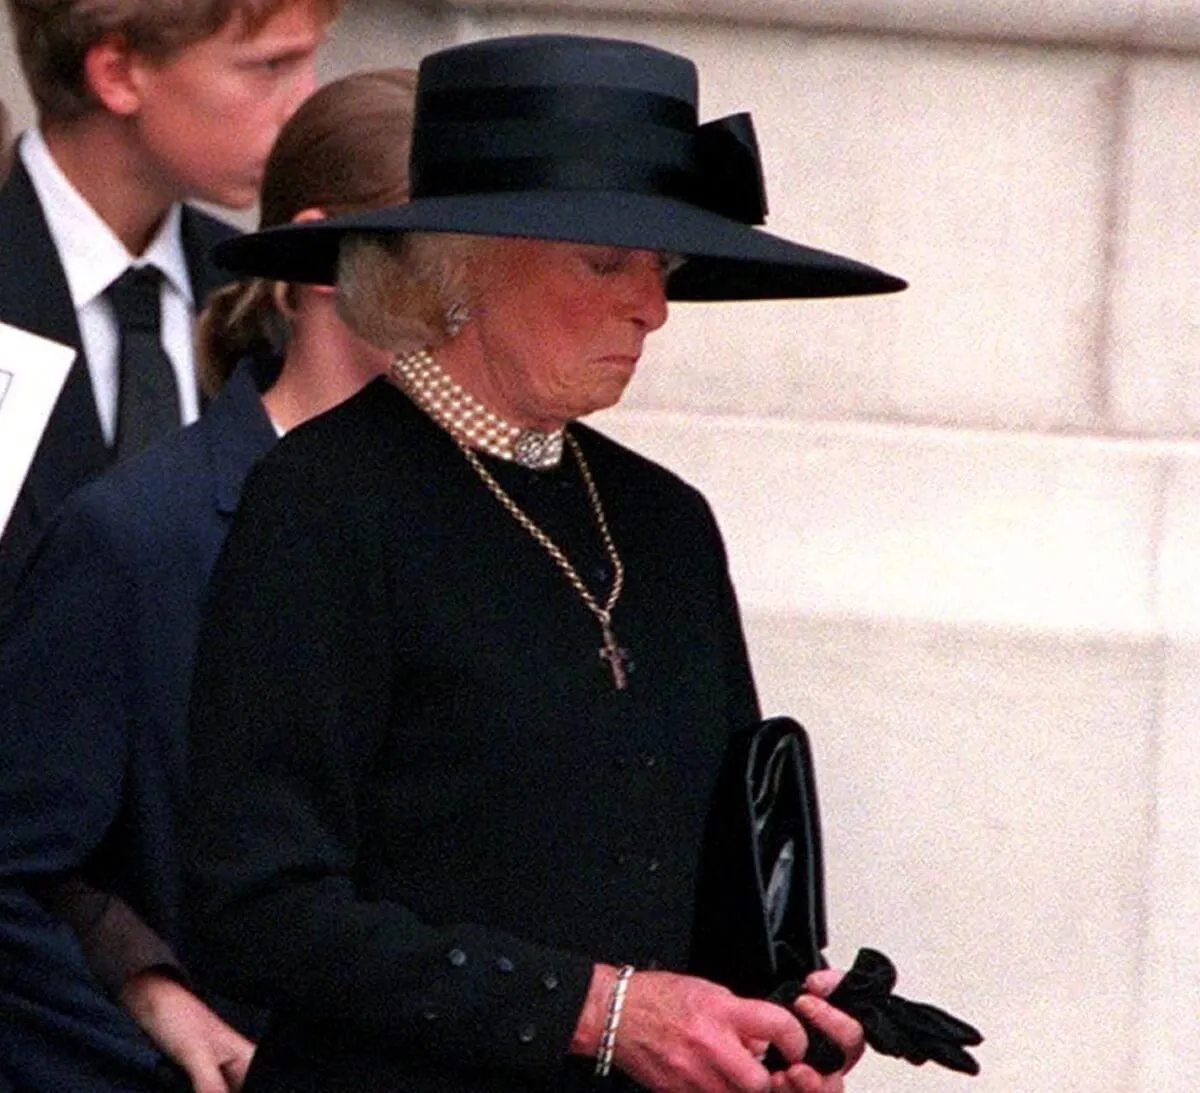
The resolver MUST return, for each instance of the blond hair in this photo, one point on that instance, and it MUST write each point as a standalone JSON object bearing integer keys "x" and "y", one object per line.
{"x": 54, "y": 36}
{"x": 344, "y": 150}
{"x": 401, "y": 291}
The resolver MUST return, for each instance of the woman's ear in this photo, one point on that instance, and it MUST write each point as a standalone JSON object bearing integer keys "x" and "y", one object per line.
{"x": 307, "y": 216}
{"x": 110, "y": 68}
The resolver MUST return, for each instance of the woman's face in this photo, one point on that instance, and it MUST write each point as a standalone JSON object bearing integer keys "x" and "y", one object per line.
{"x": 559, "y": 327}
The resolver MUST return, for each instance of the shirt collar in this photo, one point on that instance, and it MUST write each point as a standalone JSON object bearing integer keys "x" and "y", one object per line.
{"x": 92, "y": 256}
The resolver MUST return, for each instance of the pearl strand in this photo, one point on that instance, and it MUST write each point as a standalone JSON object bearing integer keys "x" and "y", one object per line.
{"x": 464, "y": 416}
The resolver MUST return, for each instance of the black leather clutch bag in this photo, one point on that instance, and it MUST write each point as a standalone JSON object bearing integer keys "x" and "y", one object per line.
{"x": 759, "y": 920}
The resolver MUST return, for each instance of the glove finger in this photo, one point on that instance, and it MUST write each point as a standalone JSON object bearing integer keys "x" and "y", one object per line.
{"x": 892, "y": 1038}
{"x": 871, "y": 964}
{"x": 951, "y": 1056}
{"x": 922, "y": 1019}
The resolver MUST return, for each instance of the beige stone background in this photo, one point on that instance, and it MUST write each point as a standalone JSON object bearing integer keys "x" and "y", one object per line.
{"x": 964, "y": 521}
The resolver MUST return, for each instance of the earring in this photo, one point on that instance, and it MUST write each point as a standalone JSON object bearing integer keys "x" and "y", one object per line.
{"x": 455, "y": 318}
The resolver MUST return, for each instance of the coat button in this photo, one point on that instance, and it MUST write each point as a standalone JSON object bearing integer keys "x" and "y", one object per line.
{"x": 550, "y": 981}
{"x": 651, "y": 761}
{"x": 457, "y": 957}
{"x": 430, "y": 1015}
{"x": 504, "y": 964}
{"x": 653, "y": 866}
{"x": 527, "y": 1034}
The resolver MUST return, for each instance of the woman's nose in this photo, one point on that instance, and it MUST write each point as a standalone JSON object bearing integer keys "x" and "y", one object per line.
{"x": 650, "y": 292}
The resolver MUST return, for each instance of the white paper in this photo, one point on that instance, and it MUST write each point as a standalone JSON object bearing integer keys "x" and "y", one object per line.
{"x": 32, "y": 373}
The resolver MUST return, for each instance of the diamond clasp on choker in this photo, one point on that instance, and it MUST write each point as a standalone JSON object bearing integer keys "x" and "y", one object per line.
{"x": 537, "y": 450}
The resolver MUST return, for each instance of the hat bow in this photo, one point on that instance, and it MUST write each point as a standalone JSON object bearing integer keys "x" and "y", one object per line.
{"x": 730, "y": 170}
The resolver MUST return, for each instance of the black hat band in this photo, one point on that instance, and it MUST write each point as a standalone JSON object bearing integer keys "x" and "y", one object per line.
{"x": 498, "y": 140}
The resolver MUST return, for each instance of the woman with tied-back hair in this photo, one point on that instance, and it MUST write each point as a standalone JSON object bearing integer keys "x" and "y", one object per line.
{"x": 468, "y": 667}
{"x": 344, "y": 155}
{"x": 96, "y": 664}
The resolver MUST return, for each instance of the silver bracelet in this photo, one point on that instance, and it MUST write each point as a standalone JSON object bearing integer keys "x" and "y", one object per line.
{"x": 608, "y": 1038}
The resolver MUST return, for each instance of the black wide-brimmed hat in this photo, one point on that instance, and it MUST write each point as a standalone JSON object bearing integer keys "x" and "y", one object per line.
{"x": 587, "y": 140}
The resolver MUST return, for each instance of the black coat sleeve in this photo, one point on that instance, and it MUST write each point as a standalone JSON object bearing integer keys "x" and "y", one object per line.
{"x": 65, "y": 674}
{"x": 63, "y": 727}
{"x": 292, "y": 700}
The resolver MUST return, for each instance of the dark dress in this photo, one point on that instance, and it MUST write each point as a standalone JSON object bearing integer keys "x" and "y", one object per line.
{"x": 421, "y": 809}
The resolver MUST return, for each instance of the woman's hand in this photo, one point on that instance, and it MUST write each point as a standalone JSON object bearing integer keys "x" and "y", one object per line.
{"x": 682, "y": 1034}
{"x": 214, "y": 1055}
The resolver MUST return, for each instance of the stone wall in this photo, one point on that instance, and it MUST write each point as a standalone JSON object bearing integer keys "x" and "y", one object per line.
{"x": 964, "y": 521}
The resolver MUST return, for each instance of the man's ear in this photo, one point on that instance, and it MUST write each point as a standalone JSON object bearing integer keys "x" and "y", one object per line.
{"x": 110, "y": 68}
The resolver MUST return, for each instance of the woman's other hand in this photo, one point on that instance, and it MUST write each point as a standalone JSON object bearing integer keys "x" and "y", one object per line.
{"x": 840, "y": 1027}
{"x": 214, "y": 1055}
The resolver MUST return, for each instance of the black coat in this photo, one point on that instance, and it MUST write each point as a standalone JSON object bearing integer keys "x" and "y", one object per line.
{"x": 34, "y": 296}
{"x": 422, "y": 811}
{"x": 94, "y": 674}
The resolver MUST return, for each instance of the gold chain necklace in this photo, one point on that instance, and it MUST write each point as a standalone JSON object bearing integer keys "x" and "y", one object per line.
{"x": 610, "y": 651}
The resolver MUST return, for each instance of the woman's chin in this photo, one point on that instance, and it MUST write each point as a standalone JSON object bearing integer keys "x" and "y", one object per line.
{"x": 605, "y": 396}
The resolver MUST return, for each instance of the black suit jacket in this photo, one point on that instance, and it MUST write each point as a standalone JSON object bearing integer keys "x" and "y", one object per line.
{"x": 34, "y": 296}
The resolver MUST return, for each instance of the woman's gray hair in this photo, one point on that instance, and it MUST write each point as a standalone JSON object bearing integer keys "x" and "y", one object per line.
{"x": 402, "y": 292}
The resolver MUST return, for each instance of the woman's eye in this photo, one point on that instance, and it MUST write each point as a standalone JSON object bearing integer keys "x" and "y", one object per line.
{"x": 606, "y": 264}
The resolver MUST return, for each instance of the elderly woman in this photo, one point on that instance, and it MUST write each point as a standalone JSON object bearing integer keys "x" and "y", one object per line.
{"x": 470, "y": 667}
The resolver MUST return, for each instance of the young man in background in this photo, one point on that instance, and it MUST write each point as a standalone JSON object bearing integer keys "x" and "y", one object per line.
{"x": 142, "y": 105}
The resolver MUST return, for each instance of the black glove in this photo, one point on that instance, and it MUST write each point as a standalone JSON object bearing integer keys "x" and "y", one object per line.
{"x": 892, "y": 1025}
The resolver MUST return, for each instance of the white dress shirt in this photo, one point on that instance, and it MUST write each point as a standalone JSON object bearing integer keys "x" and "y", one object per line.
{"x": 93, "y": 258}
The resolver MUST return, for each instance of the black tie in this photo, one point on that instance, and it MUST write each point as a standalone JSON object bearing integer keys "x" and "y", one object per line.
{"x": 147, "y": 395}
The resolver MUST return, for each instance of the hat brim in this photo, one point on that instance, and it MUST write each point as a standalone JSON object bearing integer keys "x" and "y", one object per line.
{"x": 726, "y": 260}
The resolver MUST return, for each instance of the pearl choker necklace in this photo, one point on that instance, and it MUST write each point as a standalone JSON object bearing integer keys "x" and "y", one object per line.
{"x": 464, "y": 417}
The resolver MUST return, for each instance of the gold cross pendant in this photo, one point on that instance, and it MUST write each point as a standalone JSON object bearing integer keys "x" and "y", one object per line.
{"x": 616, "y": 657}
